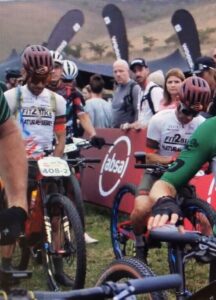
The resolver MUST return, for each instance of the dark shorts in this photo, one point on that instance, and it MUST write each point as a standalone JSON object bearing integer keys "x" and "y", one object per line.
{"x": 146, "y": 183}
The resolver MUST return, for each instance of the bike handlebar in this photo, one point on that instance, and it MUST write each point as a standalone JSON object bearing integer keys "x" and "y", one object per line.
{"x": 109, "y": 289}
{"x": 189, "y": 237}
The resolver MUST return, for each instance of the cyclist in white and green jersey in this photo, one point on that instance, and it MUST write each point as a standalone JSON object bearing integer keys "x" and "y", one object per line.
{"x": 201, "y": 148}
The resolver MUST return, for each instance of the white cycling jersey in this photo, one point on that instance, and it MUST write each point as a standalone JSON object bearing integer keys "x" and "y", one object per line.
{"x": 36, "y": 115}
{"x": 171, "y": 135}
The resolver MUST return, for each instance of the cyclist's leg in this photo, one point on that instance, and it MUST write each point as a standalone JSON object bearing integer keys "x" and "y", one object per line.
{"x": 140, "y": 213}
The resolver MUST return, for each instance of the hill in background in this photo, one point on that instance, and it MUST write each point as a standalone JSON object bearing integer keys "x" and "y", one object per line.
{"x": 28, "y": 22}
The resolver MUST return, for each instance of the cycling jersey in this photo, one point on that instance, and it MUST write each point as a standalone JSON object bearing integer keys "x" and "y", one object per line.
{"x": 74, "y": 107}
{"x": 201, "y": 148}
{"x": 4, "y": 108}
{"x": 171, "y": 135}
{"x": 35, "y": 114}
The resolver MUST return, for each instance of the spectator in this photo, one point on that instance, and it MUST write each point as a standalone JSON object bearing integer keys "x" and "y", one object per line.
{"x": 125, "y": 96}
{"x": 205, "y": 67}
{"x": 214, "y": 54}
{"x": 86, "y": 92}
{"x": 99, "y": 110}
{"x": 157, "y": 77}
{"x": 152, "y": 93}
{"x": 173, "y": 79}
{"x": 13, "y": 78}
{"x": 75, "y": 112}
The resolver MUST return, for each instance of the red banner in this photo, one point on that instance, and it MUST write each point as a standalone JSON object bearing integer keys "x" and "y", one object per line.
{"x": 101, "y": 183}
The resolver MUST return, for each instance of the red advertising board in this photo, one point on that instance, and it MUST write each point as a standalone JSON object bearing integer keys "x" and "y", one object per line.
{"x": 101, "y": 183}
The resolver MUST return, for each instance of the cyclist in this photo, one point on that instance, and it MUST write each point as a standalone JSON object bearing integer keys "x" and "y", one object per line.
{"x": 55, "y": 79}
{"x": 168, "y": 132}
{"x": 40, "y": 114}
{"x": 13, "y": 170}
{"x": 76, "y": 113}
{"x": 75, "y": 109}
{"x": 200, "y": 148}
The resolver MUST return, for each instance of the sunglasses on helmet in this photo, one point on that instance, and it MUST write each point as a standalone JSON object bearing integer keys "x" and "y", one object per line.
{"x": 188, "y": 111}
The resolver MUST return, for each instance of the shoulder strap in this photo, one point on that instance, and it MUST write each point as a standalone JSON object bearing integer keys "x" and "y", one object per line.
{"x": 128, "y": 99}
{"x": 53, "y": 102}
{"x": 19, "y": 99}
{"x": 149, "y": 99}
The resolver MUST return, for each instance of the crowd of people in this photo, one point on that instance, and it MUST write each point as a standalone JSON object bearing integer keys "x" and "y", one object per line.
{"x": 47, "y": 105}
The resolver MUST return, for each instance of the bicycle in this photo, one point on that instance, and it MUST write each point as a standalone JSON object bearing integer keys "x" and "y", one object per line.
{"x": 198, "y": 214}
{"x": 50, "y": 211}
{"x": 109, "y": 290}
{"x": 77, "y": 164}
{"x": 189, "y": 245}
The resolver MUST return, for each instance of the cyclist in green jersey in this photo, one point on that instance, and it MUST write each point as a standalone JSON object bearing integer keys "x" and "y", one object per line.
{"x": 13, "y": 172}
{"x": 200, "y": 149}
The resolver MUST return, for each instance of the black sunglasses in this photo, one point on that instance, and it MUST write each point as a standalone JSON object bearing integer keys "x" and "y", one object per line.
{"x": 188, "y": 112}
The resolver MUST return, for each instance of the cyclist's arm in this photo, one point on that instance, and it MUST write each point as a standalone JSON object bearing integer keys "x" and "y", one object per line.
{"x": 87, "y": 124}
{"x": 153, "y": 141}
{"x": 152, "y": 156}
{"x": 59, "y": 148}
{"x": 60, "y": 126}
{"x": 13, "y": 166}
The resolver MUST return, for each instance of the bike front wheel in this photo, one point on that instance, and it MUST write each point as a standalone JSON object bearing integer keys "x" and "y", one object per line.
{"x": 121, "y": 270}
{"x": 120, "y": 227}
{"x": 67, "y": 242}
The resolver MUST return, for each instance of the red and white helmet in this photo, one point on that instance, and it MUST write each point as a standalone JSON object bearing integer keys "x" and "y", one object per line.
{"x": 195, "y": 93}
{"x": 36, "y": 59}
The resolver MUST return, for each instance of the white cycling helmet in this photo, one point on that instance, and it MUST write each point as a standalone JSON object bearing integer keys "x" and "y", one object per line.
{"x": 57, "y": 57}
{"x": 70, "y": 70}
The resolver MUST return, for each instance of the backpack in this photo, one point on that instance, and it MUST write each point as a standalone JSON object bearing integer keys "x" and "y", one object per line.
{"x": 128, "y": 99}
{"x": 149, "y": 99}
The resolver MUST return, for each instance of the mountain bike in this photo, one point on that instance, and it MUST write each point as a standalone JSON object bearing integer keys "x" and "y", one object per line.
{"x": 109, "y": 290}
{"x": 53, "y": 229}
{"x": 77, "y": 162}
{"x": 198, "y": 214}
{"x": 188, "y": 245}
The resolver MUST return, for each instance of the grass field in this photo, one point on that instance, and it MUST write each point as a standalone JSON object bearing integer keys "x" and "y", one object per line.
{"x": 100, "y": 255}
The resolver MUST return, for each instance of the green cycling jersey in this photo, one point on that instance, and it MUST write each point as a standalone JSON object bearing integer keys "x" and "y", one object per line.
{"x": 4, "y": 108}
{"x": 200, "y": 149}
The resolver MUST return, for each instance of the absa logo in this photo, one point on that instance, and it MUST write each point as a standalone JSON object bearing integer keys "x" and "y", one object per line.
{"x": 114, "y": 165}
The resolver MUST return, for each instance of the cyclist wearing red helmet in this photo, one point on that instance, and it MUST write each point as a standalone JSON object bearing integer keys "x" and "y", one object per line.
{"x": 41, "y": 114}
{"x": 167, "y": 134}
{"x": 200, "y": 149}
{"x": 39, "y": 111}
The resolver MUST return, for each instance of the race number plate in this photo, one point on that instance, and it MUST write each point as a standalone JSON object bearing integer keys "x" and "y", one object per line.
{"x": 53, "y": 166}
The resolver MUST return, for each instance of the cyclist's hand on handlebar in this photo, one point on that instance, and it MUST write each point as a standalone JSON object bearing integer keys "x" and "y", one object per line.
{"x": 12, "y": 221}
{"x": 97, "y": 141}
{"x": 164, "y": 210}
